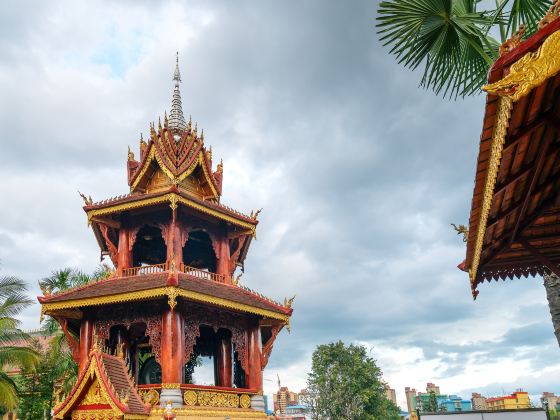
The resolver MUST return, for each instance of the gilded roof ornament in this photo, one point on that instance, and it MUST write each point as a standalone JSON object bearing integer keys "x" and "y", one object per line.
{"x": 531, "y": 70}
{"x": 513, "y": 41}
{"x": 87, "y": 200}
{"x": 288, "y": 302}
{"x": 461, "y": 229}
{"x": 130, "y": 154}
{"x": 552, "y": 14}
{"x": 176, "y": 119}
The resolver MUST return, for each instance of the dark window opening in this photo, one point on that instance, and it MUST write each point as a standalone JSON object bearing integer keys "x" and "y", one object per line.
{"x": 149, "y": 248}
{"x": 198, "y": 251}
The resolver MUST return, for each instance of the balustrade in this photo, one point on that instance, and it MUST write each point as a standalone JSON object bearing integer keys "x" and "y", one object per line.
{"x": 160, "y": 268}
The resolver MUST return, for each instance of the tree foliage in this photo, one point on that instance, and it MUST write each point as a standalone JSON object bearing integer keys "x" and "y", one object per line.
{"x": 452, "y": 40}
{"x": 345, "y": 383}
{"x": 56, "y": 370}
{"x": 15, "y": 352}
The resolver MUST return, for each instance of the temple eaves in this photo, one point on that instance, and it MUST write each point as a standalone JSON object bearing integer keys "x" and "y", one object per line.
{"x": 177, "y": 121}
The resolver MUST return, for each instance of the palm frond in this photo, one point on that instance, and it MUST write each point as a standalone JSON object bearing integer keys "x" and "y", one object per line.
{"x": 8, "y": 392}
{"x": 525, "y": 12}
{"x": 22, "y": 357}
{"x": 448, "y": 37}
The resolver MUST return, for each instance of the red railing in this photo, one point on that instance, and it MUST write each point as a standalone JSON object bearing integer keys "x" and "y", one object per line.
{"x": 202, "y": 274}
{"x": 160, "y": 268}
{"x": 145, "y": 269}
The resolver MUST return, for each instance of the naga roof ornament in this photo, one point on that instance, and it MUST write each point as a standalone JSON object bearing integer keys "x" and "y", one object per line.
{"x": 177, "y": 121}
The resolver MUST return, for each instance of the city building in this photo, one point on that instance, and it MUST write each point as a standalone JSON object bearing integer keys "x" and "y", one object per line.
{"x": 478, "y": 402}
{"x": 430, "y": 387}
{"x": 294, "y": 412}
{"x": 518, "y": 399}
{"x": 550, "y": 401}
{"x": 174, "y": 298}
{"x": 410, "y": 394}
{"x": 284, "y": 398}
{"x": 391, "y": 394}
{"x": 455, "y": 403}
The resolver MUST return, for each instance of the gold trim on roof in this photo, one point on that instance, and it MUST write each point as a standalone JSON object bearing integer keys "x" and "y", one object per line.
{"x": 175, "y": 179}
{"x": 93, "y": 371}
{"x": 498, "y": 138}
{"x": 172, "y": 198}
{"x": 171, "y": 293}
{"x": 530, "y": 71}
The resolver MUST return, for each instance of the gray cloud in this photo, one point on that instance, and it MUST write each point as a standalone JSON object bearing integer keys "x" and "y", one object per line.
{"x": 359, "y": 171}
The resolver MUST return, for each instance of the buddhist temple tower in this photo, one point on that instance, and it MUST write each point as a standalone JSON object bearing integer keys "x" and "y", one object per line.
{"x": 174, "y": 296}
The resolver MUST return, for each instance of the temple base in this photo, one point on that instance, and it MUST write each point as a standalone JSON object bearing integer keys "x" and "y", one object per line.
{"x": 257, "y": 403}
{"x": 209, "y": 414}
{"x": 172, "y": 395}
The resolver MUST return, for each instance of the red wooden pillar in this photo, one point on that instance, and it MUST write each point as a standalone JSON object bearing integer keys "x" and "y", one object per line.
{"x": 222, "y": 267}
{"x": 224, "y": 362}
{"x": 86, "y": 341}
{"x": 254, "y": 376}
{"x": 124, "y": 257}
{"x": 172, "y": 347}
{"x": 174, "y": 244}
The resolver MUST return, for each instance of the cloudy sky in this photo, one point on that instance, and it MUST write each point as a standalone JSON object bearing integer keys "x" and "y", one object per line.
{"x": 359, "y": 171}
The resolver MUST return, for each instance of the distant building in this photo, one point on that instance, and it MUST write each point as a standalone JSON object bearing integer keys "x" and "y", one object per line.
{"x": 430, "y": 387}
{"x": 410, "y": 399}
{"x": 551, "y": 401}
{"x": 294, "y": 412}
{"x": 478, "y": 402}
{"x": 284, "y": 398}
{"x": 391, "y": 394}
{"x": 455, "y": 403}
{"x": 518, "y": 399}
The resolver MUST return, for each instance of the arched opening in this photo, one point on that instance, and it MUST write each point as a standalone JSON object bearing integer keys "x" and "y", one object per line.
{"x": 204, "y": 366}
{"x": 198, "y": 251}
{"x": 149, "y": 248}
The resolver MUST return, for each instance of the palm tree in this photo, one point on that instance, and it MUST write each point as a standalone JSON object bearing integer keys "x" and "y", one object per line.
{"x": 60, "y": 281}
{"x": 451, "y": 39}
{"x": 13, "y": 300}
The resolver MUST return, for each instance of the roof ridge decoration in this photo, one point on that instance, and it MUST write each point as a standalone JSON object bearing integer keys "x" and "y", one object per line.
{"x": 529, "y": 71}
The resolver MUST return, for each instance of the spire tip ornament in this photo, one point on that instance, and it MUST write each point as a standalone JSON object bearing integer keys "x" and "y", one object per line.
{"x": 177, "y": 121}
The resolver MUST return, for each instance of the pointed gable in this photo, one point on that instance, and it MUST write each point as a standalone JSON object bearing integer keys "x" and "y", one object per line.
{"x": 105, "y": 390}
{"x": 175, "y": 159}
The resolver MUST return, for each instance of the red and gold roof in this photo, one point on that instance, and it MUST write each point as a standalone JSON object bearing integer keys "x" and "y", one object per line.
{"x": 104, "y": 390}
{"x": 515, "y": 208}
{"x": 156, "y": 286}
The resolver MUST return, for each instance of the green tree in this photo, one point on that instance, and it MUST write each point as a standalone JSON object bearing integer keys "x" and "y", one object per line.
{"x": 57, "y": 368}
{"x": 345, "y": 383}
{"x": 14, "y": 350}
{"x": 430, "y": 405}
{"x": 451, "y": 39}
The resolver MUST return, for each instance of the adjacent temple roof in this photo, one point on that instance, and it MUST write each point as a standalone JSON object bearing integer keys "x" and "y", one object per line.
{"x": 514, "y": 221}
{"x": 103, "y": 390}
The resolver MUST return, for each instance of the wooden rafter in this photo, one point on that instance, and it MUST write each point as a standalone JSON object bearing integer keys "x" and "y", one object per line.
{"x": 534, "y": 177}
{"x": 540, "y": 257}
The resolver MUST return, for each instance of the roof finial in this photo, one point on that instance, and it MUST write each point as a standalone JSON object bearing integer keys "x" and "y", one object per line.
{"x": 176, "y": 119}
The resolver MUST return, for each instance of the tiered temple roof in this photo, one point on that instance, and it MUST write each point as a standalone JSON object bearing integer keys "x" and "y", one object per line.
{"x": 149, "y": 286}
